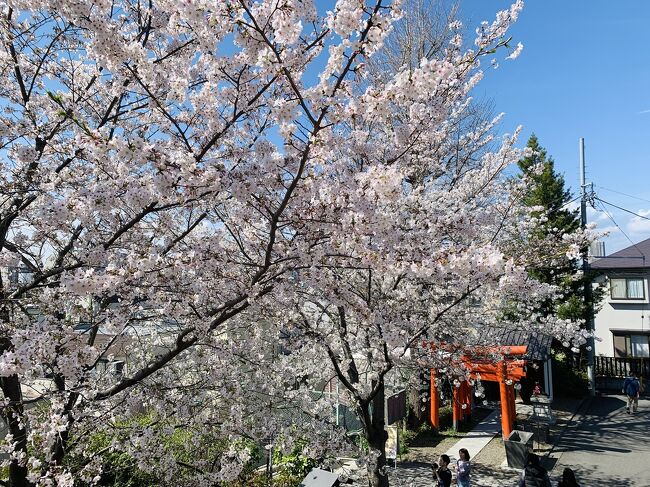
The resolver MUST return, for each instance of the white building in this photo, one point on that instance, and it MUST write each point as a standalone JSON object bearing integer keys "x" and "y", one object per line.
{"x": 622, "y": 325}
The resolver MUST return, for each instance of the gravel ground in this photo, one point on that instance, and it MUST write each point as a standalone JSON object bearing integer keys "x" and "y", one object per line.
{"x": 428, "y": 454}
{"x": 414, "y": 468}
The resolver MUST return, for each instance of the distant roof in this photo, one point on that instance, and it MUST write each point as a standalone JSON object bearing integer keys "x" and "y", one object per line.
{"x": 633, "y": 257}
{"x": 539, "y": 344}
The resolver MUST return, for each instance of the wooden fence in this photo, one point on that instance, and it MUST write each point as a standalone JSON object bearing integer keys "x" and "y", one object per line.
{"x": 621, "y": 367}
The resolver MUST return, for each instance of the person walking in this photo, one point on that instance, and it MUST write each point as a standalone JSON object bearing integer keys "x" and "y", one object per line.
{"x": 442, "y": 472}
{"x": 534, "y": 475}
{"x": 568, "y": 479}
{"x": 463, "y": 468}
{"x": 631, "y": 389}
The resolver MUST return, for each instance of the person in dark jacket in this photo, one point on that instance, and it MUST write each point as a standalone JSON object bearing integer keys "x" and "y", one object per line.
{"x": 631, "y": 388}
{"x": 568, "y": 479}
{"x": 534, "y": 475}
{"x": 441, "y": 471}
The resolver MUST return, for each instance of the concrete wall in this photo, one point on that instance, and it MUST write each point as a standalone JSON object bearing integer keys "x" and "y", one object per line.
{"x": 619, "y": 314}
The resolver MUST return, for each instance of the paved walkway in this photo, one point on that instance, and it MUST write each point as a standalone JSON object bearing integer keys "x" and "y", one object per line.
{"x": 605, "y": 445}
{"x": 418, "y": 474}
{"x": 488, "y": 470}
{"x": 477, "y": 439}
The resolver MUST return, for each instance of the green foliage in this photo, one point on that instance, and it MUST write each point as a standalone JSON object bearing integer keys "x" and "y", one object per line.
{"x": 118, "y": 469}
{"x": 295, "y": 463}
{"x": 547, "y": 190}
{"x": 446, "y": 417}
{"x": 425, "y": 435}
{"x": 568, "y": 380}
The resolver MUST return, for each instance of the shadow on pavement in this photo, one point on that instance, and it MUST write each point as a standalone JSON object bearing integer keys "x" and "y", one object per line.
{"x": 606, "y": 445}
{"x": 418, "y": 474}
{"x": 603, "y": 419}
{"x": 588, "y": 477}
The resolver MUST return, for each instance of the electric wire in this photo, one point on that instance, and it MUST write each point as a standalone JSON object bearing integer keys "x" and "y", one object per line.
{"x": 622, "y": 194}
{"x": 571, "y": 201}
{"x": 621, "y": 208}
{"x": 604, "y": 210}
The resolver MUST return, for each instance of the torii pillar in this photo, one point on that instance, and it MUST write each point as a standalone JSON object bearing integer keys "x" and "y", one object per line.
{"x": 504, "y": 371}
{"x": 435, "y": 402}
{"x": 507, "y": 393}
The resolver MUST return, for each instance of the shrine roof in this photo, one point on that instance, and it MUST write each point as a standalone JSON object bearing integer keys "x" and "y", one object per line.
{"x": 539, "y": 344}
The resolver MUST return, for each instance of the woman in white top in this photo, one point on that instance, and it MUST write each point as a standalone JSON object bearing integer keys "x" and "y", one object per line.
{"x": 463, "y": 468}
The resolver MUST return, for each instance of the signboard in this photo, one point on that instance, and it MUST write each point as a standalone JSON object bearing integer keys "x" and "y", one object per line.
{"x": 396, "y": 407}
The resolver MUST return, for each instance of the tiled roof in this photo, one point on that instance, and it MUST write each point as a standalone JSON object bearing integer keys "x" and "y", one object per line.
{"x": 632, "y": 257}
{"x": 539, "y": 344}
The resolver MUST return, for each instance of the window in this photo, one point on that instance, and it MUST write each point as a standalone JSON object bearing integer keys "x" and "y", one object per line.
{"x": 19, "y": 276}
{"x": 627, "y": 288}
{"x": 628, "y": 345}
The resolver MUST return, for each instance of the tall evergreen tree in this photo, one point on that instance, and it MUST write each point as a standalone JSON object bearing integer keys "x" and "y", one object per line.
{"x": 547, "y": 190}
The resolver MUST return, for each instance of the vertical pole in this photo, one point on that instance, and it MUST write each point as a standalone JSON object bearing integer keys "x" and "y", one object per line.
{"x": 455, "y": 408}
{"x": 513, "y": 404}
{"x": 338, "y": 403}
{"x": 585, "y": 270}
{"x": 435, "y": 404}
{"x": 548, "y": 377}
{"x": 506, "y": 411}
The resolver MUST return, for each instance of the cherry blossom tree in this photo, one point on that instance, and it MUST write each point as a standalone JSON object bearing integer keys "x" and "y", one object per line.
{"x": 195, "y": 184}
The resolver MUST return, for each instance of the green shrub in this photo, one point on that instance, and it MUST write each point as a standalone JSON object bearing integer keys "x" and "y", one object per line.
{"x": 120, "y": 469}
{"x": 295, "y": 464}
{"x": 568, "y": 381}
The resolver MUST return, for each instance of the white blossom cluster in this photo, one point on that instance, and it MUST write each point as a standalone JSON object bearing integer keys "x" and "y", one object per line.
{"x": 227, "y": 228}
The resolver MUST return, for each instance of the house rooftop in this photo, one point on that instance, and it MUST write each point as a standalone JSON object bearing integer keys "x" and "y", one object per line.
{"x": 633, "y": 257}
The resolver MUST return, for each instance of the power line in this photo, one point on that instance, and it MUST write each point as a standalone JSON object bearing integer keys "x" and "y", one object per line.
{"x": 622, "y": 209}
{"x": 571, "y": 201}
{"x": 623, "y": 194}
{"x": 604, "y": 210}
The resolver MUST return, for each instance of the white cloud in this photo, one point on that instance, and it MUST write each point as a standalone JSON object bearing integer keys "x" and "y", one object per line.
{"x": 596, "y": 215}
{"x": 638, "y": 225}
{"x": 644, "y": 111}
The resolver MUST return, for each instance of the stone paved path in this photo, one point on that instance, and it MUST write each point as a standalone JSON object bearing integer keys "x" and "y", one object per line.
{"x": 477, "y": 439}
{"x": 418, "y": 474}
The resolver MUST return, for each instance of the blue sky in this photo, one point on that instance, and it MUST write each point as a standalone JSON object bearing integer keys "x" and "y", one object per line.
{"x": 584, "y": 72}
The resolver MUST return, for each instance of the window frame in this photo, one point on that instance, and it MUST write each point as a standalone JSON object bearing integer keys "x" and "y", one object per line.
{"x": 627, "y": 338}
{"x": 627, "y": 288}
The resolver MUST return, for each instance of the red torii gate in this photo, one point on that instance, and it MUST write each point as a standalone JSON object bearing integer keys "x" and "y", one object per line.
{"x": 506, "y": 372}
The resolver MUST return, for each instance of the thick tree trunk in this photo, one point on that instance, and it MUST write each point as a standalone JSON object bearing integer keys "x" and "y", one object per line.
{"x": 61, "y": 443}
{"x": 376, "y": 436}
{"x": 15, "y": 420}
{"x": 13, "y": 414}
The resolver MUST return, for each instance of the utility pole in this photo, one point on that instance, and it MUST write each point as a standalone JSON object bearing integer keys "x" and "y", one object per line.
{"x": 589, "y": 310}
